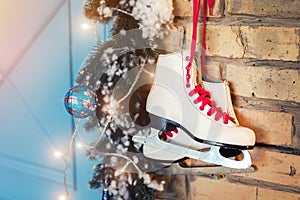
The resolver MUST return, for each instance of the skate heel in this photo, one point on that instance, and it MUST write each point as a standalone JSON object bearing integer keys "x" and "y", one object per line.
{"x": 158, "y": 103}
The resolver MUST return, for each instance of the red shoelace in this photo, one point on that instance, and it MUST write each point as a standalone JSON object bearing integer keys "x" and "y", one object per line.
{"x": 204, "y": 96}
{"x": 164, "y": 135}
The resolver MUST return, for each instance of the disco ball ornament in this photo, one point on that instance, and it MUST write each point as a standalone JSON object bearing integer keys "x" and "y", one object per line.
{"x": 81, "y": 101}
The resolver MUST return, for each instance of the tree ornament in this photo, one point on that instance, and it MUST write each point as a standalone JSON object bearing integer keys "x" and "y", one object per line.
{"x": 81, "y": 101}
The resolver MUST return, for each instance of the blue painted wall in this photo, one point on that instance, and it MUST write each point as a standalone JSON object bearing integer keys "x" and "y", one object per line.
{"x": 33, "y": 120}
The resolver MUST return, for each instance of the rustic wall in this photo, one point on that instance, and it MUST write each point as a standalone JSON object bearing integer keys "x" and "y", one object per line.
{"x": 257, "y": 45}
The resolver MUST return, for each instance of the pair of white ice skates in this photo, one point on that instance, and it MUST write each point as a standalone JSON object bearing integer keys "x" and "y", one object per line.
{"x": 206, "y": 120}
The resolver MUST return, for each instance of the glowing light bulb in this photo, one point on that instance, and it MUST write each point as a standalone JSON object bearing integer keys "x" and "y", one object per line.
{"x": 58, "y": 154}
{"x": 85, "y": 26}
{"x": 62, "y": 197}
{"x": 79, "y": 145}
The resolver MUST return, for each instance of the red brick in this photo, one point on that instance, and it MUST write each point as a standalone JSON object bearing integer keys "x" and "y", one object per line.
{"x": 184, "y": 8}
{"x": 267, "y": 194}
{"x": 269, "y": 127}
{"x": 275, "y": 167}
{"x": 258, "y": 42}
{"x": 264, "y": 82}
{"x": 278, "y": 8}
{"x": 207, "y": 189}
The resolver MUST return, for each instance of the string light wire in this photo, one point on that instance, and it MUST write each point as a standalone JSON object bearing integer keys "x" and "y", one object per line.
{"x": 71, "y": 150}
{"x": 68, "y": 158}
{"x": 134, "y": 83}
{"x": 90, "y": 148}
{"x": 102, "y": 132}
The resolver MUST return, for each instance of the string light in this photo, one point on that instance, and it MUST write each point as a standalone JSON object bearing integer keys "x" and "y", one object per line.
{"x": 59, "y": 154}
{"x": 79, "y": 145}
{"x": 62, "y": 197}
{"x": 88, "y": 148}
{"x": 86, "y": 26}
{"x": 134, "y": 83}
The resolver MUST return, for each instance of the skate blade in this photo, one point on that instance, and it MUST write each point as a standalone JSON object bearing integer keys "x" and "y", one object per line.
{"x": 211, "y": 156}
{"x": 218, "y": 172}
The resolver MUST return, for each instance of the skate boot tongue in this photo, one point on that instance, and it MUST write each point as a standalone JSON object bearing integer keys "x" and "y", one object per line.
{"x": 204, "y": 98}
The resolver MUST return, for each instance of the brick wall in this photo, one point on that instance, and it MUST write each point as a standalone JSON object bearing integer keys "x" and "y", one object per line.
{"x": 257, "y": 45}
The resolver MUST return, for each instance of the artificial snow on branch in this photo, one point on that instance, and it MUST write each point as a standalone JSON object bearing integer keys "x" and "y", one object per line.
{"x": 151, "y": 15}
{"x": 117, "y": 70}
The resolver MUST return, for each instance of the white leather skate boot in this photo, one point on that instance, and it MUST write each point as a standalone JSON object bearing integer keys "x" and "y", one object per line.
{"x": 201, "y": 124}
{"x": 175, "y": 97}
{"x": 220, "y": 93}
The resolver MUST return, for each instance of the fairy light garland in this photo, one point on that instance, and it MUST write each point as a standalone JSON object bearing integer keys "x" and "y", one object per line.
{"x": 148, "y": 32}
{"x": 67, "y": 155}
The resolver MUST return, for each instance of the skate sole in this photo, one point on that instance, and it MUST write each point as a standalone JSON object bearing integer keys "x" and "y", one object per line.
{"x": 212, "y": 143}
{"x": 211, "y": 156}
{"x": 233, "y": 146}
